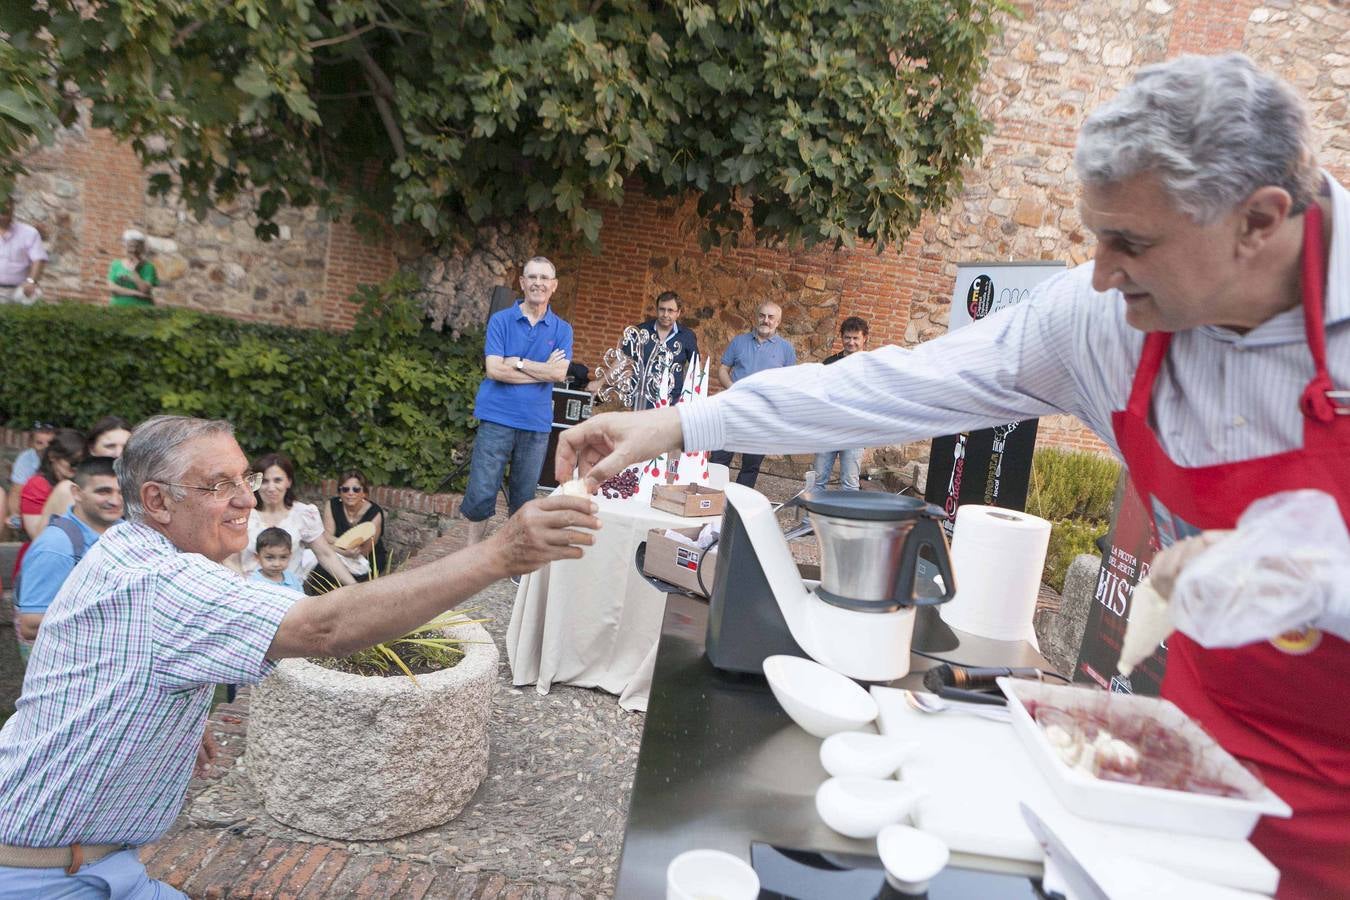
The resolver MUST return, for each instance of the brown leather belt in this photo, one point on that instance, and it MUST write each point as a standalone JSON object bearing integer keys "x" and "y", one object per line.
{"x": 69, "y": 858}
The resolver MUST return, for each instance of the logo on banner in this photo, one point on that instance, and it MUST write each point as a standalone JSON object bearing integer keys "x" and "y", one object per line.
{"x": 980, "y": 297}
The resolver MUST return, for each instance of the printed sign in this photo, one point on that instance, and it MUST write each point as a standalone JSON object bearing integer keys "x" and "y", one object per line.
{"x": 991, "y": 467}
{"x": 1126, "y": 561}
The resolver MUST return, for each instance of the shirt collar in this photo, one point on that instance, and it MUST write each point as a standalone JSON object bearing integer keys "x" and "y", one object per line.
{"x": 547, "y": 318}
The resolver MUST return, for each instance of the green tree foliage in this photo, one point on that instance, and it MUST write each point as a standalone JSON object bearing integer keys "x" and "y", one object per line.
{"x": 800, "y": 120}
{"x": 389, "y": 396}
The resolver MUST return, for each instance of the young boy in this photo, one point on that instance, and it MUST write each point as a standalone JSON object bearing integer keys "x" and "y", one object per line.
{"x": 274, "y": 555}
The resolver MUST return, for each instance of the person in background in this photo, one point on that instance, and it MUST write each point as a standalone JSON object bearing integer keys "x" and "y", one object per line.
{"x": 22, "y": 257}
{"x": 96, "y": 759}
{"x": 1208, "y": 344}
{"x": 273, "y": 549}
{"x": 25, "y": 466}
{"x": 350, "y": 508}
{"x": 527, "y": 350}
{"x": 96, "y": 505}
{"x": 106, "y": 438}
{"x": 665, "y": 329}
{"x": 853, "y": 337}
{"x": 58, "y": 464}
{"x": 132, "y": 277}
{"x": 754, "y": 351}
{"x": 278, "y": 508}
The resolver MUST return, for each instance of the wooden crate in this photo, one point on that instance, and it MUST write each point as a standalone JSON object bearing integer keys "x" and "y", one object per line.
{"x": 688, "y": 499}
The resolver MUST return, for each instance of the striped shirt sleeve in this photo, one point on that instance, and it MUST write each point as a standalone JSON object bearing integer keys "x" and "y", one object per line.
{"x": 211, "y": 626}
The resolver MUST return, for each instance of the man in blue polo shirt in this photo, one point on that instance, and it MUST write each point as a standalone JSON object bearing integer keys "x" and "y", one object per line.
{"x": 97, "y": 507}
{"x": 747, "y": 354}
{"x": 526, "y": 351}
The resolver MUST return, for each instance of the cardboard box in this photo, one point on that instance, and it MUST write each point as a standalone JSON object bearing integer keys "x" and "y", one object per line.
{"x": 679, "y": 563}
{"x": 688, "y": 499}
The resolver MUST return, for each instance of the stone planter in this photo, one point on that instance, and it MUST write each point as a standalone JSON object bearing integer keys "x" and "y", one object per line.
{"x": 365, "y": 758}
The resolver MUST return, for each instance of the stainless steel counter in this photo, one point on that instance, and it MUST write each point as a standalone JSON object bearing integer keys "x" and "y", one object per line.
{"x": 722, "y": 766}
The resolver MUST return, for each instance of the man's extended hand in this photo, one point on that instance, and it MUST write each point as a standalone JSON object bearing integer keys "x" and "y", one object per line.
{"x": 545, "y": 530}
{"x": 607, "y": 444}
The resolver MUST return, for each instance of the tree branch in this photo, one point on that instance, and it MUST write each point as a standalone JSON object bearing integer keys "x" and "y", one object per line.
{"x": 380, "y": 85}
{"x": 342, "y": 38}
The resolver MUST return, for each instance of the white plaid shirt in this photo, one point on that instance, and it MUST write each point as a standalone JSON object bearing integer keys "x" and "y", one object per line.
{"x": 101, "y": 747}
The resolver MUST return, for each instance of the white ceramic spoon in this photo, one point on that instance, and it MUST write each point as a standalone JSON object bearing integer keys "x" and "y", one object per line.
{"x": 861, "y": 807}
{"x": 911, "y": 857}
{"x": 864, "y": 755}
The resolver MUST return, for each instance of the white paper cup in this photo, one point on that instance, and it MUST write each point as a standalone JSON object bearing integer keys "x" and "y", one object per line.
{"x": 710, "y": 875}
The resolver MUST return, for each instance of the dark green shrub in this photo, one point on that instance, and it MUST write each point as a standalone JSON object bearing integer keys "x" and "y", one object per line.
{"x": 390, "y": 396}
{"x": 1074, "y": 491}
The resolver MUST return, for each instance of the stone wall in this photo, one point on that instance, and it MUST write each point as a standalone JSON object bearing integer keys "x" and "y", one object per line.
{"x": 86, "y": 189}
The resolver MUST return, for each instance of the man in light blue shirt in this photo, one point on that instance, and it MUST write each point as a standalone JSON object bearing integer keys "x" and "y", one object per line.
{"x": 747, "y": 354}
{"x": 54, "y": 554}
{"x": 24, "y": 468}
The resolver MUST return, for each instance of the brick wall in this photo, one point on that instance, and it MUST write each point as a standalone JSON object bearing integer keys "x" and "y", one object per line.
{"x": 86, "y": 189}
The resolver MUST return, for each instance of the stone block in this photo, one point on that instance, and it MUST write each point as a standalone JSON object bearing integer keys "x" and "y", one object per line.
{"x": 1061, "y": 633}
{"x": 366, "y": 758}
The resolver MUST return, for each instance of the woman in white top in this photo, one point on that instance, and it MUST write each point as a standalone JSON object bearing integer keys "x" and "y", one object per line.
{"x": 278, "y": 508}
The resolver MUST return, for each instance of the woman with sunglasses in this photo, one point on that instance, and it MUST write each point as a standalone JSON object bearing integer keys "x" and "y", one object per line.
{"x": 351, "y": 507}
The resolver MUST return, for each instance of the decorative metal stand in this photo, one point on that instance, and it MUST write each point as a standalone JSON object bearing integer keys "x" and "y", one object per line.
{"x": 639, "y": 371}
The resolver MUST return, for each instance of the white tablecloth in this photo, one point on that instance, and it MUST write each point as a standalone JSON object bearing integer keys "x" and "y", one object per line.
{"x": 594, "y": 622}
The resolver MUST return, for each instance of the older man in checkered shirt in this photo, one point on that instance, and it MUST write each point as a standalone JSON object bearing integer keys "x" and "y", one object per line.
{"x": 96, "y": 760}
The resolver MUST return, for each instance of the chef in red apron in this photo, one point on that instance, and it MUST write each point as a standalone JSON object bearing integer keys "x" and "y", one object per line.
{"x": 1279, "y": 704}
{"x": 1209, "y": 343}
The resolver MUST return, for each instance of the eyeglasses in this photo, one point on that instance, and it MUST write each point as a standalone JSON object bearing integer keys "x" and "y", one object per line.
{"x": 538, "y": 277}
{"x": 351, "y": 490}
{"x": 226, "y": 490}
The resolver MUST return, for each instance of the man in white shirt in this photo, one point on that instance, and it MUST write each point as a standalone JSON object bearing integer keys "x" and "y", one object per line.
{"x": 1220, "y": 284}
{"x": 22, "y": 257}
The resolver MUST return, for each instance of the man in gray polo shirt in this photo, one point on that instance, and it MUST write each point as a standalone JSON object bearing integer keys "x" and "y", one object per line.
{"x": 747, "y": 354}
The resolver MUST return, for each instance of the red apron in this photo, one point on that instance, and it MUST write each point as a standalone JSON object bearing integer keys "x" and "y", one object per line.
{"x": 1279, "y": 704}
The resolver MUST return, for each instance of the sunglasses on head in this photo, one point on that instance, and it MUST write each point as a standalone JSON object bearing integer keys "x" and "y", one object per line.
{"x": 350, "y": 490}
{"x": 43, "y": 426}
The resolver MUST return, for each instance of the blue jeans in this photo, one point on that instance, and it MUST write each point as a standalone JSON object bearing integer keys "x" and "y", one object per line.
{"x": 117, "y": 876}
{"x": 493, "y": 448}
{"x": 850, "y": 465}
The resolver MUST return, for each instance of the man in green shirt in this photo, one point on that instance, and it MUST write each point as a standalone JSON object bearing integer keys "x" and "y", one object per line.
{"x": 132, "y": 276}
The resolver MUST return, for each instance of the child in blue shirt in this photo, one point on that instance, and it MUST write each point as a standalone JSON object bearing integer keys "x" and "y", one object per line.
{"x": 274, "y": 555}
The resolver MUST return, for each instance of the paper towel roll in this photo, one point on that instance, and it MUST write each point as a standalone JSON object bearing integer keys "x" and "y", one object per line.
{"x": 997, "y": 557}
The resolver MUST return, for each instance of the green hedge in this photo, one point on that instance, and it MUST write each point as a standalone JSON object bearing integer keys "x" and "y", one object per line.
{"x": 1074, "y": 491}
{"x": 390, "y": 396}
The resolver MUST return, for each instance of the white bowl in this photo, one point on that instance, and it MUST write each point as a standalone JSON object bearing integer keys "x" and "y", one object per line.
{"x": 864, "y": 754}
{"x": 700, "y": 874}
{"x": 861, "y": 807}
{"x": 911, "y": 857}
{"x": 818, "y": 699}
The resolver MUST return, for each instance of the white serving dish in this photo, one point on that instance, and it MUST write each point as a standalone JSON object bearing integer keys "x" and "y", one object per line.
{"x": 820, "y": 700}
{"x": 861, "y": 807}
{"x": 1133, "y": 804}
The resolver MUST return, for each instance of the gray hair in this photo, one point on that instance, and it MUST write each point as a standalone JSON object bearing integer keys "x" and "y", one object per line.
{"x": 152, "y": 454}
{"x": 541, "y": 259}
{"x": 1212, "y": 128}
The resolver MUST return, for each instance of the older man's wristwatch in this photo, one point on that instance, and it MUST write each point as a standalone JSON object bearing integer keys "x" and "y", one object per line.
{"x": 520, "y": 365}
